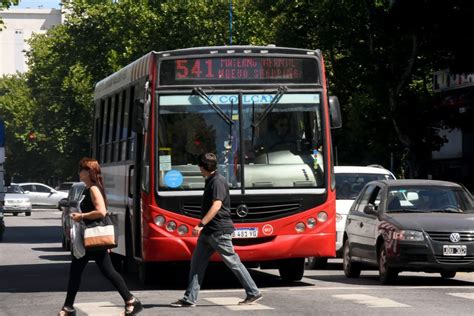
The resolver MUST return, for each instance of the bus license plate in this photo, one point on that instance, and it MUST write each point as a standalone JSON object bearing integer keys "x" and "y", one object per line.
{"x": 245, "y": 233}
{"x": 454, "y": 250}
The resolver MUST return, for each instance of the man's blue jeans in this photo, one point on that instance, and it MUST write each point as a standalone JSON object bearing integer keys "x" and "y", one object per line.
{"x": 206, "y": 245}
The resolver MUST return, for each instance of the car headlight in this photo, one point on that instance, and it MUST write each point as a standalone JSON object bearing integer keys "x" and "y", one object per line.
{"x": 410, "y": 235}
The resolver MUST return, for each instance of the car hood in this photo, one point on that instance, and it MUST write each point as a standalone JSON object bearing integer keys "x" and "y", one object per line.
{"x": 343, "y": 206}
{"x": 433, "y": 221}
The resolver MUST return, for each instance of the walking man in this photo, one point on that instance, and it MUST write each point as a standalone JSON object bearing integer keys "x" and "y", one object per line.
{"x": 214, "y": 233}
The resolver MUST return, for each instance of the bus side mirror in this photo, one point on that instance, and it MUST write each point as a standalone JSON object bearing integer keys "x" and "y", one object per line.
{"x": 335, "y": 112}
{"x": 138, "y": 123}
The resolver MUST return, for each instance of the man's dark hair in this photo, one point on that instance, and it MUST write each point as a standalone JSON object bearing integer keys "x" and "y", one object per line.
{"x": 208, "y": 161}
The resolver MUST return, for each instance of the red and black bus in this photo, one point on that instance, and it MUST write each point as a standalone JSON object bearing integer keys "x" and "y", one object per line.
{"x": 155, "y": 116}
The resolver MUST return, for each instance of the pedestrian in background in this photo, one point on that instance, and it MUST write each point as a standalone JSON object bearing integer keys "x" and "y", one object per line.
{"x": 93, "y": 207}
{"x": 214, "y": 233}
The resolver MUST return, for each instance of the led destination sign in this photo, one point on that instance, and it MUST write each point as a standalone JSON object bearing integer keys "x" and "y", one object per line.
{"x": 238, "y": 70}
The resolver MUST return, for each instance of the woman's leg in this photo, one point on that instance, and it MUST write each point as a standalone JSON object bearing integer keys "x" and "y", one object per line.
{"x": 75, "y": 274}
{"x": 102, "y": 258}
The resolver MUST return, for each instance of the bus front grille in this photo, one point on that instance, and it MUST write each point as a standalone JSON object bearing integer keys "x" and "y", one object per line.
{"x": 250, "y": 212}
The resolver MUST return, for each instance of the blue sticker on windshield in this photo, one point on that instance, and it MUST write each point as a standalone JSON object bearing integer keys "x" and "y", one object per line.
{"x": 173, "y": 179}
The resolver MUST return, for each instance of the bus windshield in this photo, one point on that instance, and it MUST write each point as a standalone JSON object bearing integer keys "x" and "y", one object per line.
{"x": 281, "y": 145}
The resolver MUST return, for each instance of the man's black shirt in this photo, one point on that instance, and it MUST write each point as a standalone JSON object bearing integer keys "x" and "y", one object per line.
{"x": 216, "y": 188}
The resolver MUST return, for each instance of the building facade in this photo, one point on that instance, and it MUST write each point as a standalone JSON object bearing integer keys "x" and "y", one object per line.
{"x": 19, "y": 25}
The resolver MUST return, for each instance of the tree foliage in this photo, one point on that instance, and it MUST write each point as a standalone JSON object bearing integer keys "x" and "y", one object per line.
{"x": 100, "y": 37}
{"x": 380, "y": 55}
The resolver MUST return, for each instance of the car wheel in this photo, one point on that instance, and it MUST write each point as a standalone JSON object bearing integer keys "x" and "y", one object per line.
{"x": 351, "y": 269}
{"x": 28, "y": 213}
{"x": 387, "y": 275}
{"x": 316, "y": 262}
{"x": 448, "y": 274}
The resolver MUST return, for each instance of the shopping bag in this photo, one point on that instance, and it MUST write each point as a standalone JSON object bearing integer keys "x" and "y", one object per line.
{"x": 102, "y": 234}
{"x": 77, "y": 240}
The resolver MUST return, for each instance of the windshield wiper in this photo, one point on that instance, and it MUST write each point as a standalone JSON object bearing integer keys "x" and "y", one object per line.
{"x": 214, "y": 106}
{"x": 450, "y": 209}
{"x": 405, "y": 210}
{"x": 280, "y": 92}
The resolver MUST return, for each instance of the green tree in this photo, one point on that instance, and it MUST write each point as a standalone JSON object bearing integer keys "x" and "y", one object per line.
{"x": 15, "y": 108}
{"x": 100, "y": 37}
{"x": 380, "y": 57}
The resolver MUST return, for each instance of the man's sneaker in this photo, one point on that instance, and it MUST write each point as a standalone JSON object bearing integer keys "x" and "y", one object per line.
{"x": 251, "y": 299}
{"x": 182, "y": 303}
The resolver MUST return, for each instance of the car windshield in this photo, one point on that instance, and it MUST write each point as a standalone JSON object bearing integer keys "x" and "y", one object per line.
{"x": 14, "y": 189}
{"x": 429, "y": 199}
{"x": 282, "y": 140}
{"x": 65, "y": 186}
{"x": 348, "y": 185}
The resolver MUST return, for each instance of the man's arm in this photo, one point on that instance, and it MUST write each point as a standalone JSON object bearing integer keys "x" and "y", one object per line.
{"x": 215, "y": 207}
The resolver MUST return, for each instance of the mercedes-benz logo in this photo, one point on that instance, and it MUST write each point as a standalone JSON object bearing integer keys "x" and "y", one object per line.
{"x": 242, "y": 210}
{"x": 455, "y": 237}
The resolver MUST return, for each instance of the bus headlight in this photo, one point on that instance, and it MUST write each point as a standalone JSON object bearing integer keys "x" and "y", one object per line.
{"x": 322, "y": 216}
{"x": 160, "y": 220}
{"x": 171, "y": 226}
{"x": 311, "y": 222}
{"x": 183, "y": 230}
{"x": 300, "y": 227}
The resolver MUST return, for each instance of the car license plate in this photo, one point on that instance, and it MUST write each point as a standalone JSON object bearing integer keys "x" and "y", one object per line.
{"x": 454, "y": 250}
{"x": 245, "y": 233}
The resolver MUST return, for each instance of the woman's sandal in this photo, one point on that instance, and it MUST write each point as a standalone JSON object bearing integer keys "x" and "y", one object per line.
{"x": 67, "y": 311}
{"x": 133, "y": 307}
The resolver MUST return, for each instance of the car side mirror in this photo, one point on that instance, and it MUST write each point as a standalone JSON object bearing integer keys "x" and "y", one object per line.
{"x": 370, "y": 209}
{"x": 63, "y": 203}
{"x": 26, "y": 192}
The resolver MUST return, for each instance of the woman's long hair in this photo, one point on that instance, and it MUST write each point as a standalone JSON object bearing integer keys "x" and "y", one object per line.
{"x": 95, "y": 175}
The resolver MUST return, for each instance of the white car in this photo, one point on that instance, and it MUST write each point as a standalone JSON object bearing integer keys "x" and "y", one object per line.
{"x": 16, "y": 201}
{"x": 349, "y": 182}
{"x": 42, "y": 195}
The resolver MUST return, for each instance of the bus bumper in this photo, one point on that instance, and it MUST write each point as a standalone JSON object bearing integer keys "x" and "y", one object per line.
{"x": 161, "y": 249}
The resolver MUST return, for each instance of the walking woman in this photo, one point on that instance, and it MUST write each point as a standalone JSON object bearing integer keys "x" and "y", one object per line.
{"x": 93, "y": 207}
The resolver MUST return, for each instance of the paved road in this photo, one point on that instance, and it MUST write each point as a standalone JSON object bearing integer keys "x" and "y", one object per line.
{"x": 33, "y": 277}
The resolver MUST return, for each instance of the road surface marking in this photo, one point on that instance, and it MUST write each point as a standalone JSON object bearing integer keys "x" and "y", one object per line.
{"x": 463, "y": 295}
{"x": 99, "y": 308}
{"x": 370, "y": 301}
{"x": 232, "y": 303}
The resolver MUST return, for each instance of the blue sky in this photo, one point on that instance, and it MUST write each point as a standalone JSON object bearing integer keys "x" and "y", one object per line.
{"x": 46, "y": 4}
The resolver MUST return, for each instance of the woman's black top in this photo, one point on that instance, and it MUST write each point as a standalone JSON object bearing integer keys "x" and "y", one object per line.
{"x": 87, "y": 205}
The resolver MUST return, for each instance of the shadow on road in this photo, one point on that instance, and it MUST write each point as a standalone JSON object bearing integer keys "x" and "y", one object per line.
{"x": 370, "y": 277}
{"x": 32, "y": 234}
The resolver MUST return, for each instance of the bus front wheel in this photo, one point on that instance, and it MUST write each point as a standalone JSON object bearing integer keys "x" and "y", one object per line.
{"x": 292, "y": 269}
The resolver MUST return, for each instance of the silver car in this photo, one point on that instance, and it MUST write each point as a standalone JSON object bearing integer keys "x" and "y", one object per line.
{"x": 16, "y": 201}
{"x": 42, "y": 195}
{"x": 67, "y": 206}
